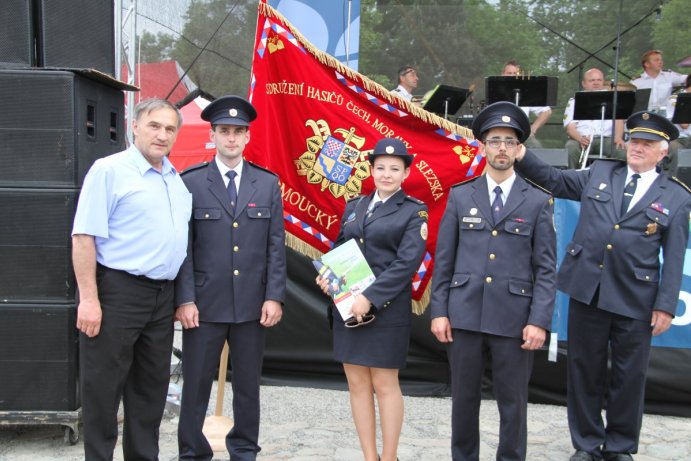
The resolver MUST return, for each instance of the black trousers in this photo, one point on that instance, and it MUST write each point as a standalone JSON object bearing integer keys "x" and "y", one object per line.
{"x": 593, "y": 333}
{"x": 129, "y": 360}
{"x": 201, "y": 351}
{"x": 511, "y": 369}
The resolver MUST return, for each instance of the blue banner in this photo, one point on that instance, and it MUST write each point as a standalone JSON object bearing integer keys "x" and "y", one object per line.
{"x": 324, "y": 23}
{"x": 679, "y": 335}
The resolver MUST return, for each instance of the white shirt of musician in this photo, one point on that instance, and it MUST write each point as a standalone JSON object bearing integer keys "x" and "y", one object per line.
{"x": 402, "y": 93}
{"x": 660, "y": 86}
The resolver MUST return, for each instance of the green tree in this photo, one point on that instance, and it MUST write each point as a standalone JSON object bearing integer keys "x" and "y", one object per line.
{"x": 672, "y": 33}
{"x": 218, "y": 44}
{"x": 455, "y": 42}
{"x": 155, "y": 48}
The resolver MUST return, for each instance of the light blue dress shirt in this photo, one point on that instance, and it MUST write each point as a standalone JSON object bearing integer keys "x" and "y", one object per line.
{"x": 138, "y": 216}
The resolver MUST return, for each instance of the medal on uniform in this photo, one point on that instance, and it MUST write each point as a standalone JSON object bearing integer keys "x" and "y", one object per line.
{"x": 651, "y": 228}
{"x": 473, "y": 211}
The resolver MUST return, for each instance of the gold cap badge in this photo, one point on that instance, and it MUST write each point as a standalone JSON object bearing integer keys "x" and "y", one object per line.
{"x": 233, "y": 112}
{"x": 645, "y": 116}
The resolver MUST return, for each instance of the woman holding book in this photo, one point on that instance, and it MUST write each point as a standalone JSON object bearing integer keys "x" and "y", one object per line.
{"x": 390, "y": 228}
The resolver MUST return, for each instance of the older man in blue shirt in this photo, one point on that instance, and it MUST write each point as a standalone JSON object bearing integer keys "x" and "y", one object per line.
{"x": 129, "y": 240}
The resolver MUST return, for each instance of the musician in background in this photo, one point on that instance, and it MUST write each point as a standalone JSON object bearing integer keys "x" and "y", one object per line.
{"x": 661, "y": 82}
{"x": 670, "y": 162}
{"x": 583, "y": 133}
{"x": 511, "y": 69}
{"x": 407, "y": 82}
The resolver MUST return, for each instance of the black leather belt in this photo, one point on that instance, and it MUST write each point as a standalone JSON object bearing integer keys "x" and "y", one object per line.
{"x": 142, "y": 278}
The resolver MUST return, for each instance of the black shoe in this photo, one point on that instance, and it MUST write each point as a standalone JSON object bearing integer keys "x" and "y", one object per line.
{"x": 618, "y": 457}
{"x": 581, "y": 455}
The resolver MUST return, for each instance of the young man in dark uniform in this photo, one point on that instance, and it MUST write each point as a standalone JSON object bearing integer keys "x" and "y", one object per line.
{"x": 493, "y": 287}
{"x": 232, "y": 283}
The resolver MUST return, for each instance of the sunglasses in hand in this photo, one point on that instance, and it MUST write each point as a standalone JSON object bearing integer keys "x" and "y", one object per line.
{"x": 353, "y": 323}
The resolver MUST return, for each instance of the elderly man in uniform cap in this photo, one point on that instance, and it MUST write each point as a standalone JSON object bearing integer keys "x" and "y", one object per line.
{"x": 611, "y": 271}
{"x": 232, "y": 284}
{"x": 493, "y": 287}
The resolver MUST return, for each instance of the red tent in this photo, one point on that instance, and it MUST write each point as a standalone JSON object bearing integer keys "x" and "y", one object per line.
{"x": 193, "y": 144}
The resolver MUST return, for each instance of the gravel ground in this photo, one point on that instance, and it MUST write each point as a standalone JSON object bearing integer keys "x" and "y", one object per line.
{"x": 307, "y": 424}
{"x": 314, "y": 424}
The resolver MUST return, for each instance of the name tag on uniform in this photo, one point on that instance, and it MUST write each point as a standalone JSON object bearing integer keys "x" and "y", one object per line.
{"x": 472, "y": 219}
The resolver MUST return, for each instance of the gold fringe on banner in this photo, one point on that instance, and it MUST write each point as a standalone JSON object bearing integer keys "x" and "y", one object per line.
{"x": 370, "y": 85}
{"x": 420, "y": 306}
{"x": 302, "y": 247}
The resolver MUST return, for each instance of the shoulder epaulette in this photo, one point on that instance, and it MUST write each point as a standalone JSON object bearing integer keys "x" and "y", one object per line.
{"x": 357, "y": 197}
{"x": 681, "y": 183}
{"x": 194, "y": 167}
{"x": 261, "y": 167}
{"x": 466, "y": 181}
{"x": 414, "y": 200}
{"x": 537, "y": 186}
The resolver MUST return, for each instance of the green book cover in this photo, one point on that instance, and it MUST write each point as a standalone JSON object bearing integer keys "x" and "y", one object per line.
{"x": 348, "y": 273}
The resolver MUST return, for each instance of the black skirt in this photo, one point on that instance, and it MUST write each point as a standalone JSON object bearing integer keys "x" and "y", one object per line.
{"x": 371, "y": 345}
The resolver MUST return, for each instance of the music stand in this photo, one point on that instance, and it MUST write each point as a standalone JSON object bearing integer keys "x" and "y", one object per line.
{"x": 446, "y": 99}
{"x": 594, "y": 105}
{"x": 642, "y": 100}
{"x": 682, "y": 109}
{"x": 522, "y": 91}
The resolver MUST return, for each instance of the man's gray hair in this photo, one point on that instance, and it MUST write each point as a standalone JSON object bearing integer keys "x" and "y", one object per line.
{"x": 148, "y": 105}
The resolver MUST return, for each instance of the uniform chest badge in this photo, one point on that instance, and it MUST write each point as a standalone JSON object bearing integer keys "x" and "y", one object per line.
{"x": 657, "y": 206}
{"x": 651, "y": 228}
{"x": 350, "y": 218}
{"x": 471, "y": 219}
{"x": 602, "y": 186}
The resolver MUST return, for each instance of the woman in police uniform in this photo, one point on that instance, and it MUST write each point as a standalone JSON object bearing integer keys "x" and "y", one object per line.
{"x": 391, "y": 229}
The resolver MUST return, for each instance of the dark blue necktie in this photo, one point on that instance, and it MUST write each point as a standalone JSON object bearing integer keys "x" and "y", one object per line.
{"x": 232, "y": 191}
{"x": 370, "y": 213}
{"x": 629, "y": 190}
{"x": 497, "y": 205}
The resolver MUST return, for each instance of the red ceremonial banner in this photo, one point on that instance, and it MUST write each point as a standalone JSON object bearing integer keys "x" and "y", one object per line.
{"x": 318, "y": 121}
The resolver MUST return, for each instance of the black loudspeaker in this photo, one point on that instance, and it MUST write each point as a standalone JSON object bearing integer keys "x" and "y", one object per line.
{"x": 558, "y": 158}
{"x": 77, "y": 33}
{"x": 16, "y": 33}
{"x": 38, "y": 358}
{"x": 54, "y": 125}
{"x": 35, "y": 245}
{"x": 684, "y": 166}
